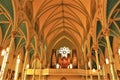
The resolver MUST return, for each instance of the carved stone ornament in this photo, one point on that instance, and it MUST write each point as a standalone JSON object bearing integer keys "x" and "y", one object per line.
{"x": 27, "y": 47}
{"x": 95, "y": 47}
{"x": 14, "y": 33}
{"x": 106, "y": 32}
{"x": 1, "y": 48}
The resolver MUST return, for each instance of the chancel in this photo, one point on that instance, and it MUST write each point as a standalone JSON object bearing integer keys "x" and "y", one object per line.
{"x": 59, "y": 39}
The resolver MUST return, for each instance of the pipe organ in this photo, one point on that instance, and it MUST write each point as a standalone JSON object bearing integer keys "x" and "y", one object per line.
{"x": 64, "y": 58}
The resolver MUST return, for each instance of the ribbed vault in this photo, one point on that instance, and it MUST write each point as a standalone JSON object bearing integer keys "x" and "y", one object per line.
{"x": 63, "y": 19}
{"x": 38, "y": 26}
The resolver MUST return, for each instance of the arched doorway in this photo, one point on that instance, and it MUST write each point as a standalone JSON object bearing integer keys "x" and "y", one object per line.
{"x": 63, "y": 78}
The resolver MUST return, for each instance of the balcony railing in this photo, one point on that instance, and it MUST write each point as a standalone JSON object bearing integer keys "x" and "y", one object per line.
{"x": 61, "y": 72}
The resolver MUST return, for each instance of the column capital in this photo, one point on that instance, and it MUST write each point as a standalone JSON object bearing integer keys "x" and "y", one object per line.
{"x": 112, "y": 62}
{"x": 14, "y": 33}
{"x": 106, "y": 32}
{"x": 38, "y": 57}
{"x": 27, "y": 46}
{"x": 98, "y": 70}
{"x": 35, "y": 55}
{"x": 1, "y": 48}
{"x": 41, "y": 61}
{"x": 89, "y": 56}
{"x": 95, "y": 47}
{"x": 7, "y": 62}
{"x": 14, "y": 56}
{"x": 86, "y": 61}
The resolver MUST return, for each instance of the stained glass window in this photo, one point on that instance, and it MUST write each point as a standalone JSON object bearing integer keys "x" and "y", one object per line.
{"x": 64, "y": 51}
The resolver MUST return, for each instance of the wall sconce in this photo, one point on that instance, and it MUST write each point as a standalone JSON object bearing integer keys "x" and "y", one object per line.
{"x": 7, "y": 49}
{"x": 99, "y": 67}
{"x": 119, "y": 51}
{"x": 5, "y": 57}
{"x": 89, "y": 64}
{"x": 93, "y": 70}
{"x": 107, "y": 61}
{"x": 119, "y": 54}
{"x": 18, "y": 59}
{"x": 17, "y": 67}
{"x": 70, "y": 66}
{"x": 27, "y": 66}
{"x": 3, "y": 52}
{"x": 57, "y": 66}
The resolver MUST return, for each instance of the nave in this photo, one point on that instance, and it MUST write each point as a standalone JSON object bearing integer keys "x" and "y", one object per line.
{"x": 59, "y": 39}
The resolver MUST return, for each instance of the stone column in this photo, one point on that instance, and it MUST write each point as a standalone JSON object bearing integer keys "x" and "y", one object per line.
{"x": 9, "y": 53}
{"x": 97, "y": 60}
{"x": 89, "y": 57}
{"x": 113, "y": 72}
{"x": 17, "y": 67}
{"x": 91, "y": 78}
{"x": 25, "y": 62}
{"x": 41, "y": 61}
{"x": 104, "y": 72}
{"x": 14, "y": 57}
{"x": 34, "y": 66}
{"x": 103, "y": 66}
{"x": 85, "y": 59}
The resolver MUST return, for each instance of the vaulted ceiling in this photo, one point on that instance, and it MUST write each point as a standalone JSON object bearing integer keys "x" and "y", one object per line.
{"x": 56, "y": 23}
{"x": 63, "y": 20}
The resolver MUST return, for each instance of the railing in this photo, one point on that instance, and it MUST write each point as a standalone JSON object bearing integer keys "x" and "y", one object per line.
{"x": 60, "y": 72}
